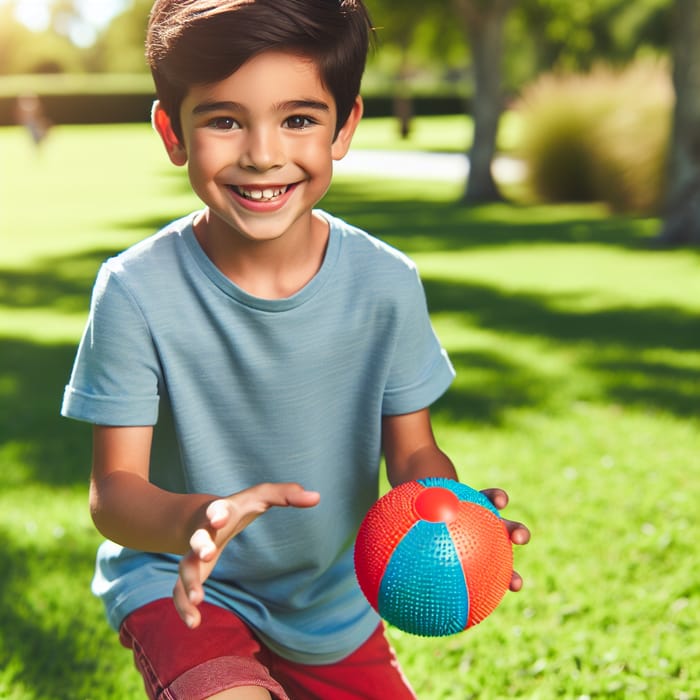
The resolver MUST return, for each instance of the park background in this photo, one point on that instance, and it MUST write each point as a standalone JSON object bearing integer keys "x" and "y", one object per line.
{"x": 565, "y": 287}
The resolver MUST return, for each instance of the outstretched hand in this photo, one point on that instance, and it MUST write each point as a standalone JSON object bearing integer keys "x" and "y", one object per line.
{"x": 519, "y": 534}
{"x": 225, "y": 518}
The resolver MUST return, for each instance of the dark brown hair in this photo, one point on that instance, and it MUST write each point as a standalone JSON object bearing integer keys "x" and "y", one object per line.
{"x": 196, "y": 42}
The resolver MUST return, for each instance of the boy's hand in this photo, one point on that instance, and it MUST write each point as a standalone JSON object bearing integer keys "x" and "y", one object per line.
{"x": 519, "y": 534}
{"x": 225, "y": 518}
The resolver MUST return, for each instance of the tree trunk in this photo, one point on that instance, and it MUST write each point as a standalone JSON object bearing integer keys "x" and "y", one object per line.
{"x": 484, "y": 25}
{"x": 682, "y": 219}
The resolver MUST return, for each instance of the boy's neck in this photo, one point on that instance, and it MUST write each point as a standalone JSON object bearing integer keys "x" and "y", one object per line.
{"x": 274, "y": 269}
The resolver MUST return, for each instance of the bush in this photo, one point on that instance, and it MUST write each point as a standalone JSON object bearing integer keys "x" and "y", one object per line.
{"x": 107, "y": 98}
{"x": 602, "y": 136}
{"x": 81, "y": 98}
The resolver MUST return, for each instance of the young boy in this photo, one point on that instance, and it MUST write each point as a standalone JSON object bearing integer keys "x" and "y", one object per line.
{"x": 248, "y": 348}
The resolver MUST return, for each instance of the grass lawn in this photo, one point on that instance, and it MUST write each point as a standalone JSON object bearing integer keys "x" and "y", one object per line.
{"x": 576, "y": 346}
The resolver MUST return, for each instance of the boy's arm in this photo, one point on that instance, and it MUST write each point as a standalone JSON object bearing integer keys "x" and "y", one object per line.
{"x": 128, "y": 509}
{"x": 131, "y": 511}
{"x": 410, "y": 452}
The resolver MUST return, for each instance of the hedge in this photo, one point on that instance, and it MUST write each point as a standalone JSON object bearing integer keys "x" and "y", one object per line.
{"x": 64, "y": 104}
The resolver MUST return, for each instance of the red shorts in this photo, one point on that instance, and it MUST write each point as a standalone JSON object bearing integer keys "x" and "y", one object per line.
{"x": 182, "y": 664}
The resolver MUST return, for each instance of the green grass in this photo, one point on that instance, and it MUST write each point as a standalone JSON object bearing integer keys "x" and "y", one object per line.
{"x": 449, "y": 134}
{"x": 576, "y": 346}
{"x": 75, "y": 83}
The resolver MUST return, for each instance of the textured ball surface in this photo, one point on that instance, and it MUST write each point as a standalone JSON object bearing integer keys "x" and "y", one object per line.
{"x": 433, "y": 557}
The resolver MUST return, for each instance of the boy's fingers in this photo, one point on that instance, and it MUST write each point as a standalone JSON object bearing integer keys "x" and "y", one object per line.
{"x": 202, "y": 544}
{"x": 249, "y": 504}
{"x": 303, "y": 498}
{"x": 185, "y": 607}
{"x": 218, "y": 513}
{"x": 191, "y": 578}
{"x": 237, "y": 511}
{"x": 498, "y": 497}
{"x": 519, "y": 534}
{"x": 516, "y": 582}
{"x": 272, "y": 494}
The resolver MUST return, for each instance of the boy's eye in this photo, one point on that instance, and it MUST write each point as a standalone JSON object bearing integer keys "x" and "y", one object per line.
{"x": 223, "y": 123}
{"x": 299, "y": 121}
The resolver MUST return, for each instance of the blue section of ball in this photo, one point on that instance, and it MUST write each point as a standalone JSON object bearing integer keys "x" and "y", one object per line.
{"x": 462, "y": 491}
{"x": 423, "y": 590}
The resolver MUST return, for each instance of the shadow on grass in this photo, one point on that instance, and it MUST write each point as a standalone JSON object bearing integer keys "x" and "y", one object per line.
{"x": 611, "y": 345}
{"x": 534, "y": 315}
{"x": 488, "y": 386}
{"x": 49, "y": 620}
{"x": 62, "y": 283}
{"x": 36, "y": 444}
{"x": 441, "y": 224}
{"x": 652, "y": 384}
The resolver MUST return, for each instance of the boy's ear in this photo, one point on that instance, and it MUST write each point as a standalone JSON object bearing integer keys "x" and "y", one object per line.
{"x": 161, "y": 123}
{"x": 342, "y": 142}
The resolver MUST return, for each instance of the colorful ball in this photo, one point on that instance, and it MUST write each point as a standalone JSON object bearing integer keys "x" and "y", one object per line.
{"x": 433, "y": 557}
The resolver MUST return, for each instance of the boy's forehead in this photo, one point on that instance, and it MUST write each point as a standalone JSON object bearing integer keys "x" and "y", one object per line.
{"x": 275, "y": 77}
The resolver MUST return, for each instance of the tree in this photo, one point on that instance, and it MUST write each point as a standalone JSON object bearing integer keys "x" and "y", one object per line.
{"x": 120, "y": 46}
{"x": 411, "y": 35}
{"x": 576, "y": 36}
{"x": 682, "y": 221}
{"x": 576, "y": 33}
{"x": 26, "y": 51}
{"x": 484, "y": 23}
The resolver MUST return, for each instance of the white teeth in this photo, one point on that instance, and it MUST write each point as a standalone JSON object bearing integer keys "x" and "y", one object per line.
{"x": 258, "y": 195}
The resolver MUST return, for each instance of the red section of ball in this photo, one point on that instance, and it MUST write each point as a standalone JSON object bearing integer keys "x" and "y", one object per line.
{"x": 437, "y": 505}
{"x": 384, "y": 526}
{"x": 486, "y": 553}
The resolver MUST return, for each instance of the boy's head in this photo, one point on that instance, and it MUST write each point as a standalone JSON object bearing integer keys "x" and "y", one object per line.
{"x": 197, "y": 42}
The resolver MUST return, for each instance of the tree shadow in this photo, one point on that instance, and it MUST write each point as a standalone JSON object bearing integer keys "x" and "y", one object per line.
{"x": 611, "y": 345}
{"x": 651, "y": 385}
{"x": 529, "y": 314}
{"x": 46, "y": 635}
{"x": 148, "y": 225}
{"x": 489, "y": 385}
{"x": 424, "y": 225}
{"x": 37, "y": 444}
{"x": 61, "y": 282}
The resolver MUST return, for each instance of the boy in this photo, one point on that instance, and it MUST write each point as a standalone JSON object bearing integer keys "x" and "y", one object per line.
{"x": 246, "y": 349}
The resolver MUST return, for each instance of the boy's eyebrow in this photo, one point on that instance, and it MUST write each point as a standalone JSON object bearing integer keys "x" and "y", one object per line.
{"x": 303, "y": 104}
{"x": 289, "y": 105}
{"x": 206, "y": 107}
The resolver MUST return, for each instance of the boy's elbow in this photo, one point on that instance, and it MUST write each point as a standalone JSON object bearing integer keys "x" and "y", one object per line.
{"x": 103, "y": 503}
{"x": 96, "y": 505}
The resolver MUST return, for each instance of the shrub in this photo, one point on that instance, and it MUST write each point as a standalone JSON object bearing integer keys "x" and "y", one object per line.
{"x": 602, "y": 136}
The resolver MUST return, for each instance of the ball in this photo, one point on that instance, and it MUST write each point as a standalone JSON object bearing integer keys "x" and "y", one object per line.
{"x": 433, "y": 557}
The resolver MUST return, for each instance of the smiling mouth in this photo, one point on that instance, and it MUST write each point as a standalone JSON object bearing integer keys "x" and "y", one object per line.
{"x": 258, "y": 194}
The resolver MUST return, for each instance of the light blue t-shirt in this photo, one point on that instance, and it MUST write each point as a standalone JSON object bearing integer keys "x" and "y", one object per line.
{"x": 242, "y": 390}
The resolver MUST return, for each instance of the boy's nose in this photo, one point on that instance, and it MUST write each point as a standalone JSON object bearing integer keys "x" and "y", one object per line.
{"x": 262, "y": 151}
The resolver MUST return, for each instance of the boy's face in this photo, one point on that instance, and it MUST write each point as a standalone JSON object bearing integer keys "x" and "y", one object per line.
{"x": 260, "y": 145}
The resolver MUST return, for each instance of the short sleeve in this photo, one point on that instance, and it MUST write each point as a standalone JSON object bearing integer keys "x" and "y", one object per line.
{"x": 116, "y": 373}
{"x": 420, "y": 369}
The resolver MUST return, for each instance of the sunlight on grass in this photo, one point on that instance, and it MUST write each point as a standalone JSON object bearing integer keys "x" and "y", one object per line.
{"x": 451, "y": 134}
{"x": 575, "y": 344}
{"x": 447, "y": 133}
